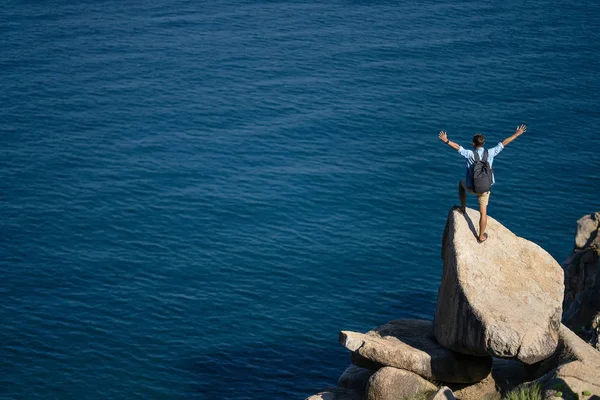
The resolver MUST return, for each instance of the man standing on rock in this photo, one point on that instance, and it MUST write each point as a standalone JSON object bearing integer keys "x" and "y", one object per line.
{"x": 467, "y": 183}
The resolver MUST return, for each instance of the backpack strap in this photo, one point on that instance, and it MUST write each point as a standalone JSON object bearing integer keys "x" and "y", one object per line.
{"x": 485, "y": 155}
{"x": 476, "y": 155}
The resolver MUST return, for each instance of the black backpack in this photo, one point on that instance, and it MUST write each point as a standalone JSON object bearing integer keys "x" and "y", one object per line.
{"x": 482, "y": 173}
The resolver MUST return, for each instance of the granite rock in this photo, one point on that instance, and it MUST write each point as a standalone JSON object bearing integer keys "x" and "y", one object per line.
{"x": 573, "y": 369}
{"x": 392, "y": 384}
{"x": 587, "y": 230}
{"x": 410, "y": 345}
{"x": 502, "y": 297}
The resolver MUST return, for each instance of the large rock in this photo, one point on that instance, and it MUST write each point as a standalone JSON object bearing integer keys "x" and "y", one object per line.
{"x": 574, "y": 369}
{"x": 355, "y": 378}
{"x": 410, "y": 345}
{"x": 394, "y": 384}
{"x": 501, "y": 297}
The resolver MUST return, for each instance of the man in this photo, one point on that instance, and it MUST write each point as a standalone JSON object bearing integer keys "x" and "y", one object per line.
{"x": 467, "y": 184}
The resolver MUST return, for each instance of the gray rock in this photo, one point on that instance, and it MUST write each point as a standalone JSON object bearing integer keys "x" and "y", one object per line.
{"x": 410, "y": 345}
{"x": 336, "y": 394}
{"x": 444, "y": 393}
{"x": 587, "y": 230}
{"x": 582, "y": 278}
{"x": 355, "y": 378}
{"x": 501, "y": 297}
{"x": 575, "y": 368}
{"x": 393, "y": 384}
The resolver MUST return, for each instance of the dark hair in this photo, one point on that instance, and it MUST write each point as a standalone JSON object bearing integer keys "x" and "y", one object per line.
{"x": 478, "y": 140}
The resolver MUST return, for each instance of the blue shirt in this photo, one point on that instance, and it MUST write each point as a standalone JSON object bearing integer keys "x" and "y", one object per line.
{"x": 468, "y": 154}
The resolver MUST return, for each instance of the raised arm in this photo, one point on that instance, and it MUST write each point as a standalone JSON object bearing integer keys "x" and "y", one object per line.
{"x": 444, "y": 138}
{"x": 520, "y": 130}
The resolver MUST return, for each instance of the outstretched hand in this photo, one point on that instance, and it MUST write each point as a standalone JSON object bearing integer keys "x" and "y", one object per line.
{"x": 443, "y": 136}
{"x": 521, "y": 129}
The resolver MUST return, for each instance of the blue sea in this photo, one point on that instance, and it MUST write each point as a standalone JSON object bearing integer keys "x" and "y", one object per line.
{"x": 196, "y": 197}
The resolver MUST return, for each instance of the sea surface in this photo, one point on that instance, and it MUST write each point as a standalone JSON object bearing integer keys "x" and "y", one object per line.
{"x": 196, "y": 197}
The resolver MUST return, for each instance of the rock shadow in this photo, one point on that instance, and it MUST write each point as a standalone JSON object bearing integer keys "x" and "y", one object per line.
{"x": 471, "y": 225}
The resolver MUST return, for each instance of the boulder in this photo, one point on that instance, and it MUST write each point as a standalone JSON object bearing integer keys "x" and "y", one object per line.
{"x": 587, "y": 230}
{"x": 393, "y": 384}
{"x": 409, "y": 344}
{"x": 355, "y": 378}
{"x": 502, "y": 297}
{"x": 582, "y": 278}
{"x": 571, "y": 379}
{"x": 444, "y": 393}
{"x": 573, "y": 369}
{"x": 336, "y": 394}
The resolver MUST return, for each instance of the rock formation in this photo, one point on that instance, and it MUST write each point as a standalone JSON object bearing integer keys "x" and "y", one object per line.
{"x": 502, "y": 297}
{"x": 572, "y": 370}
{"x": 582, "y": 278}
{"x": 410, "y": 345}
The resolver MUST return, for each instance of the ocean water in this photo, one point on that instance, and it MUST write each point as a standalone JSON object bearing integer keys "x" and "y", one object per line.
{"x": 196, "y": 197}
